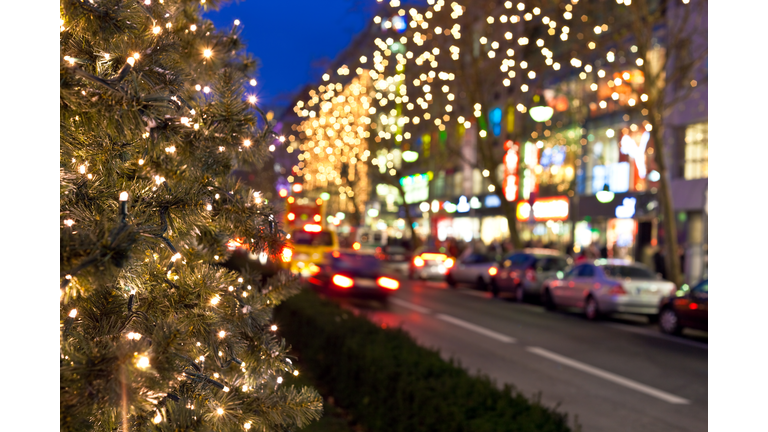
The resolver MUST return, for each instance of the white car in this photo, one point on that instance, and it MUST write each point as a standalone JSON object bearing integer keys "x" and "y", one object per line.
{"x": 608, "y": 286}
{"x": 472, "y": 268}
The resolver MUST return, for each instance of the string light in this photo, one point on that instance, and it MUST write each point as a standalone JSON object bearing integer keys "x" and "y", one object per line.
{"x": 73, "y": 313}
{"x": 143, "y": 362}
{"x": 207, "y": 53}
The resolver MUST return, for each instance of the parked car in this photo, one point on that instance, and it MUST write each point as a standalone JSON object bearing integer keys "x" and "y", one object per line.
{"x": 309, "y": 246}
{"x": 350, "y": 273}
{"x": 523, "y": 273}
{"x": 685, "y": 308}
{"x": 608, "y": 286}
{"x": 429, "y": 263}
{"x": 472, "y": 268}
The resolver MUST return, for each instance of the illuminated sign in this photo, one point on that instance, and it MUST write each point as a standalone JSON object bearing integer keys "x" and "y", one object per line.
{"x": 495, "y": 118}
{"x": 544, "y": 209}
{"x": 416, "y": 187}
{"x": 554, "y": 156}
{"x": 541, "y": 113}
{"x": 616, "y": 176}
{"x": 492, "y": 201}
{"x": 410, "y": 156}
{"x": 463, "y": 205}
{"x": 636, "y": 151}
{"x": 627, "y": 208}
{"x": 511, "y": 160}
{"x": 449, "y": 207}
{"x": 475, "y": 203}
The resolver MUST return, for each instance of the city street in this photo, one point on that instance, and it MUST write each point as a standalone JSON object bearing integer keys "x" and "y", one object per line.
{"x": 620, "y": 374}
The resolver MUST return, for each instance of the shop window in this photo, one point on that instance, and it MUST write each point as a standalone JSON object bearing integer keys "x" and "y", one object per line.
{"x": 696, "y": 152}
{"x": 477, "y": 182}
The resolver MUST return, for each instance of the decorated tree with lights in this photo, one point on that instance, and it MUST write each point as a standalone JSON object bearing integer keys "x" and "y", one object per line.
{"x": 155, "y": 335}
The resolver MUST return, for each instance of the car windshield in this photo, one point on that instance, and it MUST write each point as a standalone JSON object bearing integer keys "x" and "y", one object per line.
{"x": 619, "y": 271}
{"x": 304, "y": 238}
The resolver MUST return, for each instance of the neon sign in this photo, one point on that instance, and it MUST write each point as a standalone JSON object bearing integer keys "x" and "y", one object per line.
{"x": 636, "y": 151}
{"x": 492, "y": 201}
{"x": 511, "y": 160}
{"x": 627, "y": 208}
{"x": 463, "y": 205}
{"x": 615, "y": 175}
{"x": 416, "y": 187}
{"x": 544, "y": 209}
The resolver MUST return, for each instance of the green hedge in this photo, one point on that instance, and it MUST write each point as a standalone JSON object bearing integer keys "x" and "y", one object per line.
{"x": 389, "y": 383}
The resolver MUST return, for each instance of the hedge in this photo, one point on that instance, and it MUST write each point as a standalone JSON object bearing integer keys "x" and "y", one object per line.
{"x": 389, "y": 383}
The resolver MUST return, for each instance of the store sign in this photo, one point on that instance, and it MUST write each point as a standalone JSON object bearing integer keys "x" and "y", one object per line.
{"x": 636, "y": 151}
{"x": 554, "y": 156}
{"x": 511, "y": 160}
{"x": 416, "y": 187}
{"x": 544, "y": 209}
{"x": 475, "y": 203}
{"x": 627, "y": 208}
{"x": 615, "y": 175}
{"x": 492, "y": 201}
{"x": 463, "y": 205}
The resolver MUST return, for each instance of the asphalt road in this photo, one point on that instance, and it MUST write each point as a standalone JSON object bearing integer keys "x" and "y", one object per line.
{"x": 620, "y": 374}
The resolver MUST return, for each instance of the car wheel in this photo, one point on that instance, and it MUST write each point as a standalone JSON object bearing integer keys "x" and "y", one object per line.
{"x": 481, "y": 285}
{"x": 549, "y": 302}
{"x": 591, "y": 309}
{"x": 669, "y": 322}
{"x": 519, "y": 294}
{"x": 653, "y": 319}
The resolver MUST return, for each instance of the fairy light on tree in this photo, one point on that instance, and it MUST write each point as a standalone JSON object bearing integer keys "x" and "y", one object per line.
{"x": 149, "y": 135}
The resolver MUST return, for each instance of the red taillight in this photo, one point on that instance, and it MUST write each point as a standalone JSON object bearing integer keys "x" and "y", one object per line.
{"x": 388, "y": 283}
{"x": 286, "y": 255}
{"x": 617, "y": 290}
{"x": 693, "y": 306}
{"x": 342, "y": 281}
{"x": 449, "y": 263}
{"x": 492, "y": 271}
{"x": 313, "y": 228}
{"x": 433, "y": 256}
{"x": 530, "y": 274}
{"x": 418, "y": 262}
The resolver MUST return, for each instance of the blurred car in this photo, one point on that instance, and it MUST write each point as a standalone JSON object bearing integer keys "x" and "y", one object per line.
{"x": 523, "y": 273}
{"x": 429, "y": 263}
{"x": 309, "y": 245}
{"x": 685, "y": 308}
{"x": 350, "y": 273}
{"x": 472, "y": 268}
{"x": 394, "y": 257}
{"x": 608, "y": 286}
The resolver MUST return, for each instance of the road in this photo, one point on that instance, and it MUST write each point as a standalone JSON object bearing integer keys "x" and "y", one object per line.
{"x": 615, "y": 375}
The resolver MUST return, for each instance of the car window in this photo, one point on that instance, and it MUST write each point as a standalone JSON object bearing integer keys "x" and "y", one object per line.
{"x": 517, "y": 260}
{"x": 354, "y": 262}
{"x": 550, "y": 264}
{"x": 377, "y": 237}
{"x": 574, "y": 271}
{"x": 586, "y": 271}
{"x": 480, "y": 258}
{"x": 620, "y": 271}
{"x": 304, "y": 238}
{"x": 701, "y": 291}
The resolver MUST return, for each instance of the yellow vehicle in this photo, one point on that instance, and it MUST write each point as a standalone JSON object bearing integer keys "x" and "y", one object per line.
{"x": 309, "y": 246}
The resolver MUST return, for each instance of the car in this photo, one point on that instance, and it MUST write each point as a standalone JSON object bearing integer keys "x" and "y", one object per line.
{"x": 472, "y": 268}
{"x": 429, "y": 263}
{"x": 309, "y": 245}
{"x": 353, "y": 274}
{"x": 523, "y": 273}
{"x": 685, "y": 309}
{"x": 394, "y": 257}
{"x": 608, "y": 286}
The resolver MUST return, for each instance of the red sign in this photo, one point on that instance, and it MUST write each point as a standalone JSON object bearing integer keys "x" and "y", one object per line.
{"x": 511, "y": 182}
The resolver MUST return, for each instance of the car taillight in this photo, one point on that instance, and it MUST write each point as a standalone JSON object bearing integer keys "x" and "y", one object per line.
{"x": 616, "y": 290}
{"x": 492, "y": 271}
{"x": 530, "y": 274}
{"x": 388, "y": 283}
{"x": 313, "y": 269}
{"x": 449, "y": 263}
{"x": 418, "y": 262}
{"x": 286, "y": 255}
{"x": 342, "y": 281}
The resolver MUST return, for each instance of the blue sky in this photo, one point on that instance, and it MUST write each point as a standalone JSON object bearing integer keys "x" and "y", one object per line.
{"x": 294, "y": 39}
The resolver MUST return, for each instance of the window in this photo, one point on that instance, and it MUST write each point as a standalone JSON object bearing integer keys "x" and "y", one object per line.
{"x": 550, "y": 264}
{"x": 516, "y": 260}
{"x": 696, "y": 152}
{"x": 627, "y": 272}
{"x": 586, "y": 271}
{"x": 312, "y": 239}
{"x": 574, "y": 271}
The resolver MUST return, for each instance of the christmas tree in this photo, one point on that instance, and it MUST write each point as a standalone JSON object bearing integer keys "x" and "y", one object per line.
{"x": 155, "y": 333}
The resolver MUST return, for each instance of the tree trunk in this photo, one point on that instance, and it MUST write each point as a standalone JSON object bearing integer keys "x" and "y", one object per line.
{"x": 674, "y": 272}
{"x": 510, "y": 212}
{"x": 415, "y": 240}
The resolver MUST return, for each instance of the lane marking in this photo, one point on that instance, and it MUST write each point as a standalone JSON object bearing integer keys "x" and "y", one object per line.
{"x": 476, "y": 328}
{"x": 626, "y": 382}
{"x": 657, "y": 334}
{"x": 408, "y": 305}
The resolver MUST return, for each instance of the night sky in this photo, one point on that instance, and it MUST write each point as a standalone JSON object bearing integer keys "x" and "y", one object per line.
{"x": 294, "y": 40}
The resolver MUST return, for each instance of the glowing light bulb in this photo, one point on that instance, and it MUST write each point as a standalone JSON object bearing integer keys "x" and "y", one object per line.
{"x": 273, "y": 328}
{"x": 206, "y": 89}
{"x": 247, "y": 143}
{"x": 207, "y": 53}
{"x": 141, "y": 161}
{"x": 222, "y": 334}
{"x": 253, "y": 82}
{"x": 296, "y": 373}
{"x": 156, "y": 30}
{"x": 69, "y": 222}
{"x": 237, "y": 22}
{"x": 272, "y": 148}
{"x": 209, "y": 207}
{"x": 143, "y": 362}
{"x": 193, "y": 27}
{"x": 158, "y": 418}
{"x": 247, "y": 425}
{"x": 123, "y": 196}
{"x": 136, "y": 55}
{"x": 279, "y": 380}
{"x": 219, "y": 411}
{"x": 226, "y": 389}
{"x": 252, "y": 99}
{"x": 73, "y": 313}
{"x": 215, "y": 300}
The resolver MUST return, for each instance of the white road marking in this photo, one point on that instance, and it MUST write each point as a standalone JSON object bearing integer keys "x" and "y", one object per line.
{"x": 626, "y": 382}
{"x": 476, "y": 328}
{"x": 657, "y": 334}
{"x": 408, "y": 305}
